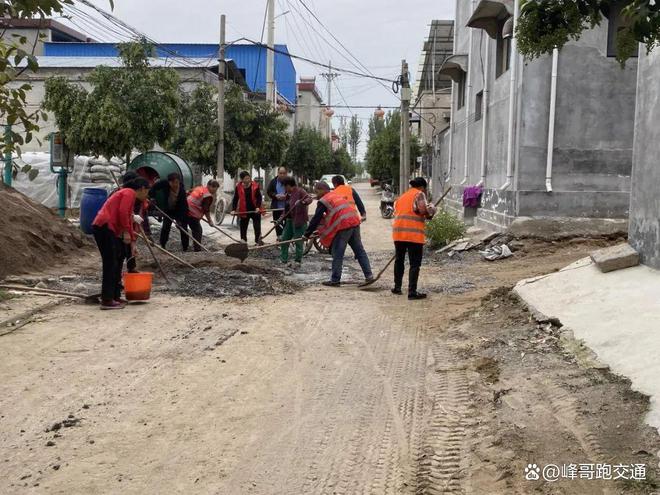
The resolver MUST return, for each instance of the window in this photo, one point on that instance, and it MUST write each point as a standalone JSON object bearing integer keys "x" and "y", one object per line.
{"x": 461, "y": 91}
{"x": 503, "y": 56}
{"x": 478, "y": 106}
{"x": 617, "y": 21}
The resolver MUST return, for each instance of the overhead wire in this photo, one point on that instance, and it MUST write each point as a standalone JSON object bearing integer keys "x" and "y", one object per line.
{"x": 263, "y": 29}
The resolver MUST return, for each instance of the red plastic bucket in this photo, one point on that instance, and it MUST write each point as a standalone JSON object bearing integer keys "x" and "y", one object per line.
{"x": 138, "y": 286}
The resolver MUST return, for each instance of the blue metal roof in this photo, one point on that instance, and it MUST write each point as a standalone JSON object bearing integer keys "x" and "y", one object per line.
{"x": 250, "y": 58}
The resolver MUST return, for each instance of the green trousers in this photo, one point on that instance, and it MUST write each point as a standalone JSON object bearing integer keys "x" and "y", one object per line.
{"x": 292, "y": 232}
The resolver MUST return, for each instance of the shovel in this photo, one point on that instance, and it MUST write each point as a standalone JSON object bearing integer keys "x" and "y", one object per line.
{"x": 220, "y": 230}
{"x": 380, "y": 274}
{"x": 282, "y": 219}
{"x": 241, "y": 250}
{"x": 183, "y": 231}
{"x": 89, "y": 299}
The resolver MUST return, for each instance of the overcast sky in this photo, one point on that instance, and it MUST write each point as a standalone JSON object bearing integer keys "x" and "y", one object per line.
{"x": 379, "y": 33}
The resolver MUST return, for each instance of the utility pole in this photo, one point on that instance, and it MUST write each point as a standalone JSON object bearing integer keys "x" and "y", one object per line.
{"x": 404, "y": 163}
{"x": 220, "y": 168}
{"x": 329, "y": 77}
{"x": 271, "y": 95}
{"x": 270, "y": 56}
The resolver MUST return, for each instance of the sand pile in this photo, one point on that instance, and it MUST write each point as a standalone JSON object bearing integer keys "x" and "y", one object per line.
{"x": 32, "y": 237}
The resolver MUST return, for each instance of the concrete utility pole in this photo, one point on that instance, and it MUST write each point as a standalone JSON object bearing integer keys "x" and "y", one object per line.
{"x": 329, "y": 76}
{"x": 270, "y": 56}
{"x": 404, "y": 157}
{"x": 220, "y": 168}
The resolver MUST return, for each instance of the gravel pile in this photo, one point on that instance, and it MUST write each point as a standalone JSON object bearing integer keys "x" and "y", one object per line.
{"x": 216, "y": 282}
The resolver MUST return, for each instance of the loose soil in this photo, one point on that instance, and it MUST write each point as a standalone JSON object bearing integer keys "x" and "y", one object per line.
{"x": 316, "y": 391}
{"x": 32, "y": 237}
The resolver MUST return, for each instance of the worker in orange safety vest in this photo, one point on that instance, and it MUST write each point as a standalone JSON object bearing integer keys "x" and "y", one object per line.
{"x": 411, "y": 211}
{"x": 340, "y": 228}
{"x": 350, "y": 194}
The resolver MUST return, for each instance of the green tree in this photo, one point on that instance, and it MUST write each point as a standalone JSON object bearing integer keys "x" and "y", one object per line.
{"x": 546, "y": 24}
{"x": 342, "y": 163}
{"x": 383, "y": 150}
{"x": 354, "y": 136}
{"x": 17, "y": 57}
{"x": 130, "y": 107}
{"x": 376, "y": 126}
{"x": 255, "y": 135}
{"x": 309, "y": 155}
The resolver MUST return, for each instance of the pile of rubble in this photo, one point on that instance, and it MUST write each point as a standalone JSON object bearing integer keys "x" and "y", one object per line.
{"x": 493, "y": 246}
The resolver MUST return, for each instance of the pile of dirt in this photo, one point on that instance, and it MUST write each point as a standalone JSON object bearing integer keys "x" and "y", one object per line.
{"x": 32, "y": 237}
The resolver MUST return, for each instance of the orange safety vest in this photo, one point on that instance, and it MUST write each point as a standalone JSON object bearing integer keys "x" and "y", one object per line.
{"x": 347, "y": 193}
{"x": 408, "y": 225}
{"x": 340, "y": 216}
{"x": 195, "y": 200}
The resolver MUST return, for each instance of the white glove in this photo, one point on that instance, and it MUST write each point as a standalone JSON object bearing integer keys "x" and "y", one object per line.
{"x": 138, "y": 219}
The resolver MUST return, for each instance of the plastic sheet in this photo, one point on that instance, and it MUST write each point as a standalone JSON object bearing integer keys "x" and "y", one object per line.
{"x": 87, "y": 172}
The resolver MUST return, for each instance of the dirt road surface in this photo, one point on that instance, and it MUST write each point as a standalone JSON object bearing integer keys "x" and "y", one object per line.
{"x": 318, "y": 392}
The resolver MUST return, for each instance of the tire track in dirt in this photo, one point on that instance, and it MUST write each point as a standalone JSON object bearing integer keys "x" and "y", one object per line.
{"x": 332, "y": 475}
{"x": 564, "y": 410}
{"x": 439, "y": 465}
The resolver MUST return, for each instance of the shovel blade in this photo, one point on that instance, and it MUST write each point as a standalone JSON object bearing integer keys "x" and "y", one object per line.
{"x": 237, "y": 250}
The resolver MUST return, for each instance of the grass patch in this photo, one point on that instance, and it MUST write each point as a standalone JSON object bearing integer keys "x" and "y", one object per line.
{"x": 6, "y": 296}
{"x": 444, "y": 228}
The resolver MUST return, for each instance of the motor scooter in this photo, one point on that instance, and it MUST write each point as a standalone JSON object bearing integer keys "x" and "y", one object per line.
{"x": 387, "y": 202}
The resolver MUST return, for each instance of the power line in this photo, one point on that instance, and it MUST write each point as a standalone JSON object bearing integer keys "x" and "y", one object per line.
{"x": 342, "y": 97}
{"x": 263, "y": 29}
{"x": 321, "y": 64}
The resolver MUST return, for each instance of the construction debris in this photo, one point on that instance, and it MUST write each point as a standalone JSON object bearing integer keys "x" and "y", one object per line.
{"x": 496, "y": 253}
{"x": 615, "y": 258}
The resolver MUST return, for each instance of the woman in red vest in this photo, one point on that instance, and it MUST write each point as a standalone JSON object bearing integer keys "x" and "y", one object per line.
{"x": 247, "y": 204}
{"x": 411, "y": 211}
{"x": 113, "y": 228}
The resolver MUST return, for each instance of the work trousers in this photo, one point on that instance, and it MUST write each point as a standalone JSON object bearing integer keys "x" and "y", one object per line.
{"x": 349, "y": 237}
{"x": 415, "y": 254}
{"x": 292, "y": 232}
{"x": 166, "y": 227}
{"x": 112, "y": 258}
{"x": 279, "y": 229}
{"x": 244, "y": 223}
{"x": 195, "y": 225}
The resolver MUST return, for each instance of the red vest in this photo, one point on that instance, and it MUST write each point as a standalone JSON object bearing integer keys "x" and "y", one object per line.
{"x": 408, "y": 225}
{"x": 195, "y": 200}
{"x": 340, "y": 216}
{"x": 242, "y": 202}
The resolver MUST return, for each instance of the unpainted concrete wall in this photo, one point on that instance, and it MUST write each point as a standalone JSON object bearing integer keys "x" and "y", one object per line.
{"x": 593, "y": 136}
{"x": 645, "y": 198}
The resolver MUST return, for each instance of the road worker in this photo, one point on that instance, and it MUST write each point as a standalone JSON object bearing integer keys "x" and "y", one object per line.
{"x": 200, "y": 201}
{"x": 411, "y": 211}
{"x": 340, "y": 228}
{"x": 349, "y": 194}
{"x": 169, "y": 195}
{"x": 248, "y": 205}
{"x": 296, "y": 212}
{"x": 113, "y": 228}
